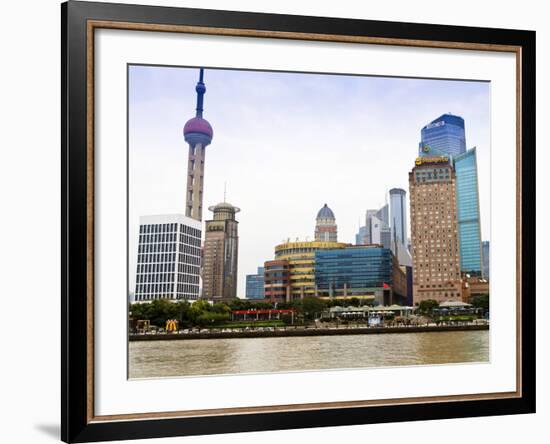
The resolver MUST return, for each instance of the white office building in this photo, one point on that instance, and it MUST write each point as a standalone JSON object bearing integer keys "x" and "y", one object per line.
{"x": 169, "y": 255}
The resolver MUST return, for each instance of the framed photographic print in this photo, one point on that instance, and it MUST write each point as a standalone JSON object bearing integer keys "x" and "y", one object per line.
{"x": 275, "y": 221}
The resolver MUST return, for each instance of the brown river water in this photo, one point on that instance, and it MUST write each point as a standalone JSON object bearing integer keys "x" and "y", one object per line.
{"x": 153, "y": 359}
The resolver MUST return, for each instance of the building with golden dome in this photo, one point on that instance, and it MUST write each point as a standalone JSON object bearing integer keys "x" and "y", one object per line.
{"x": 292, "y": 274}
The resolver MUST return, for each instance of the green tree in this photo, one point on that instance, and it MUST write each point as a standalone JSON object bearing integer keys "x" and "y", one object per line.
{"x": 211, "y": 318}
{"x": 312, "y": 306}
{"x": 481, "y": 301}
{"x": 427, "y": 306}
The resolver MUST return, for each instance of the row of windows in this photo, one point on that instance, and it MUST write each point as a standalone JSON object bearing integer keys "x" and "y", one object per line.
{"x": 156, "y": 248}
{"x": 152, "y": 296}
{"x": 169, "y": 228}
{"x": 155, "y": 268}
{"x": 156, "y": 238}
{"x": 190, "y": 255}
{"x": 156, "y": 257}
{"x": 167, "y": 277}
{"x": 165, "y": 288}
{"x": 157, "y": 277}
{"x": 188, "y": 269}
{"x": 169, "y": 237}
{"x": 155, "y": 288}
{"x": 158, "y": 228}
{"x": 437, "y": 294}
{"x": 190, "y": 260}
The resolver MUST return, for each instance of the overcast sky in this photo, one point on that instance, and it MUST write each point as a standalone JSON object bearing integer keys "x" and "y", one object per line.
{"x": 285, "y": 144}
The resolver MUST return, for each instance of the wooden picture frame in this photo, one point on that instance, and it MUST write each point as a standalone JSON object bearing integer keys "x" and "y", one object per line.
{"x": 79, "y": 22}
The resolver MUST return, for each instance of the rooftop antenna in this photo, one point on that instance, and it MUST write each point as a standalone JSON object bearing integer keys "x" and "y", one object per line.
{"x": 201, "y": 89}
{"x": 224, "y": 191}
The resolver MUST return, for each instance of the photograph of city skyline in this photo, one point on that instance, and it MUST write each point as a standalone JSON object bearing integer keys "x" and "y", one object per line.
{"x": 283, "y": 221}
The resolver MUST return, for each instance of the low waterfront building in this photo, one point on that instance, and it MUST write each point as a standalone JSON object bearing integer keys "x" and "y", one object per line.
{"x": 368, "y": 311}
{"x": 277, "y": 281}
{"x": 368, "y": 272}
{"x": 474, "y": 286}
{"x": 299, "y": 259}
{"x": 262, "y": 314}
{"x": 169, "y": 258}
{"x": 255, "y": 285}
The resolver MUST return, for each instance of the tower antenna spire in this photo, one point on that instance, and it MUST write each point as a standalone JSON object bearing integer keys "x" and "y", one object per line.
{"x": 224, "y": 191}
{"x": 201, "y": 89}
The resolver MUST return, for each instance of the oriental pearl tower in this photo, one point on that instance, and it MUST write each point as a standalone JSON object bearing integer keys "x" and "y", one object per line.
{"x": 198, "y": 134}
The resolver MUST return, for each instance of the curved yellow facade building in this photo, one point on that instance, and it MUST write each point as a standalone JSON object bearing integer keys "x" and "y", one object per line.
{"x": 301, "y": 260}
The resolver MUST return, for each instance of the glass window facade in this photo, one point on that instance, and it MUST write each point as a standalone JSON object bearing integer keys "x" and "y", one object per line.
{"x": 467, "y": 201}
{"x": 485, "y": 246}
{"x": 356, "y": 268}
{"x": 445, "y": 134}
{"x": 255, "y": 284}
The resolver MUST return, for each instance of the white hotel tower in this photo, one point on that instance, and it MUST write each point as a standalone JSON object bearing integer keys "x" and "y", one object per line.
{"x": 169, "y": 255}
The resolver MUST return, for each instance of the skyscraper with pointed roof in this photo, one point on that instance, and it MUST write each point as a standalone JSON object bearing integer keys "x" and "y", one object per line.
{"x": 198, "y": 134}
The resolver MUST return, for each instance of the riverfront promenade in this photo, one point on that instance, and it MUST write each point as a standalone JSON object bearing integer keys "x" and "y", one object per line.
{"x": 301, "y": 331}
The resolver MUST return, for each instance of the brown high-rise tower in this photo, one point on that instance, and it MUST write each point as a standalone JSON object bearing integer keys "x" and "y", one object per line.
{"x": 220, "y": 257}
{"x": 434, "y": 231}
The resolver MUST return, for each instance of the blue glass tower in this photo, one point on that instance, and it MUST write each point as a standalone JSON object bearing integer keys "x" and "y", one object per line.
{"x": 445, "y": 134}
{"x": 467, "y": 202}
{"x": 255, "y": 285}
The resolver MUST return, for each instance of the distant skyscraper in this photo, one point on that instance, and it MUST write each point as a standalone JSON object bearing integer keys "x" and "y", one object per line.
{"x": 398, "y": 222}
{"x": 434, "y": 231}
{"x": 169, "y": 258}
{"x": 445, "y": 137}
{"x": 398, "y": 214}
{"x": 378, "y": 228}
{"x": 198, "y": 134}
{"x": 255, "y": 285}
{"x": 221, "y": 246}
{"x": 446, "y": 134}
{"x": 361, "y": 236}
{"x": 325, "y": 225}
{"x": 486, "y": 248}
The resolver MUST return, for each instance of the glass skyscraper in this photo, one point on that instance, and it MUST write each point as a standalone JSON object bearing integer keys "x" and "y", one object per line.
{"x": 446, "y": 134}
{"x": 467, "y": 202}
